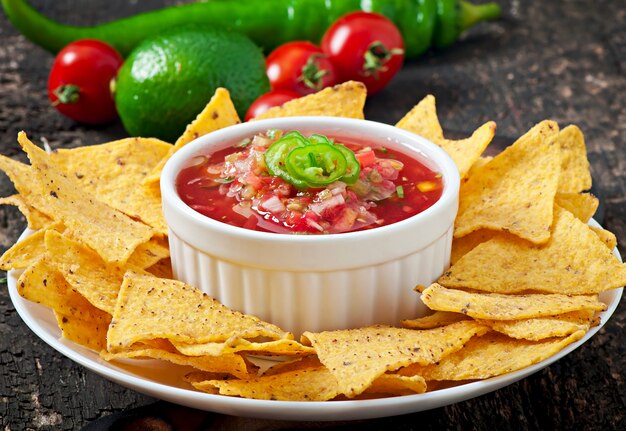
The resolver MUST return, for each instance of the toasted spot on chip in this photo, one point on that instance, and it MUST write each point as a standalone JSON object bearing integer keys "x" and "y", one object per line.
{"x": 574, "y": 261}
{"x": 497, "y": 306}
{"x": 342, "y": 100}
{"x": 86, "y": 332}
{"x": 110, "y": 232}
{"x": 149, "y": 307}
{"x": 515, "y": 191}
{"x": 217, "y": 114}
{"x": 491, "y": 355}
{"x": 357, "y": 357}
{"x": 575, "y": 175}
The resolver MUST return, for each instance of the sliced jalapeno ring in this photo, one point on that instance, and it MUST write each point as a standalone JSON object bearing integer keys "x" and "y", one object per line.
{"x": 276, "y": 155}
{"x": 353, "y": 167}
{"x": 317, "y": 164}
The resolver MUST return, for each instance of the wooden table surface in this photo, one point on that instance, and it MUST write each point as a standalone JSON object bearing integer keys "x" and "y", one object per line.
{"x": 562, "y": 60}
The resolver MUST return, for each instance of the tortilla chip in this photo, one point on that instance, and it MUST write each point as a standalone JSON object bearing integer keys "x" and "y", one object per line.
{"x": 86, "y": 332}
{"x": 434, "y": 320}
{"x": 574, "y": 261}
{"x": 607, "y": 237}
{"x": 281, "y": 347}
{"x": 230, "y": 364}
{"x": 540, "y": 328}
{"x": 110, "y": 232}
{"x": 492, "y": 355}
{"x": 495, "y": 306}
{"x": 85, "y": 270}
{"x": 117, "y": 176}
{"x": 422, "y": 120}
{"x": 582, "y": 205}
{"x": 150, "y": 253}
{"x": 515, "y": 191}
{"x": 217, "y": 114}
{"x": 34, "y": 218}
{"x": 149, "y": 307}
{"x": 575, "y": 174}
{"x": 43, "y": 284}
{"x": 342, "y": 100}
{"x": 25, "y": 252}
{"x": 465, "y": 244}
{"x": 162, "y": 269}
{"x": 307, "y": 384}
{"x": 357, "y": 357}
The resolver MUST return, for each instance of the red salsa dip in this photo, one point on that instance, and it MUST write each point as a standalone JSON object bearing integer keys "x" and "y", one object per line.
{"x": 283, "y": 182}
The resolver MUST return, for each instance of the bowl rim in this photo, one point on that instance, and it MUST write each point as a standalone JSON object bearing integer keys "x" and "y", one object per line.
{"x": 426, "y": 151}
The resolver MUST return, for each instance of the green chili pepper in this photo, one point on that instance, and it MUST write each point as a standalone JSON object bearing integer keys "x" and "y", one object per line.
{"x": 317, "y": 164}
{"x": 276, "y": 155}
{"x": 269, "y": 23}
{"x": 353, "y": 167}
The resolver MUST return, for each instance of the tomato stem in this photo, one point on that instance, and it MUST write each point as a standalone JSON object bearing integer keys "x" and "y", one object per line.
{"x": 311, "y": 73}
{"x": 67, "y": 94}
{"x": 376, "y": 57}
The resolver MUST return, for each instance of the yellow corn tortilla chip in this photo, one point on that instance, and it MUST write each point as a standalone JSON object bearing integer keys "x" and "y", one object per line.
{"x": 117, "y": 176}
{"x": 162, "y": 269}
{"x": 85, "y": 270}
{"x": 492, "y": 355}
{"x": 434, "y": 320}
{"x": 307, "y": 384}
{"x": 43, "y": 284}
{"x": 110, "y": 232}
{"x": 281, "y": 347}
{"x": 34, "y": 218}
{"x": 582, "y": 205}
{"x": 422, "y": 120}
{"x": 575, "y": 174}
{"x": 479, "y": 163}
{"x": 515, "y": 191}
{"x": 26, "y": 183}
{"x": 574, "y": 261}
{"x": 540, "y": 328}
{"x": 496, "y": 306}
{"x": 463, "y": 245}
{"x": 150, "y": 253}
{"x": 149, "y": 307}
{"x": 607, "y": 237}
{"x": 357, "y": 357}
{"x": 342, "y": 100}
{"x": 26, "y": 251}
{"x": 217, "y": 114}
{"x": 235, "y": 365}
{"x": 86, "y": 332}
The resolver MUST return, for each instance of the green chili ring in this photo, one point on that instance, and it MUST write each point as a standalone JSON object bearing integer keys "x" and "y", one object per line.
{"x": 317, "y": 164}
{"x": 276, "y": 155}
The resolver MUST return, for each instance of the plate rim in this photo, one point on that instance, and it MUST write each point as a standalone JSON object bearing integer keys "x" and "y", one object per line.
{"x": 284, "y": 410}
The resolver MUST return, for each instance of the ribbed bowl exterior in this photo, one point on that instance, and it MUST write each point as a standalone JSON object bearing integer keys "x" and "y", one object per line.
{"x": 299, "y": 301}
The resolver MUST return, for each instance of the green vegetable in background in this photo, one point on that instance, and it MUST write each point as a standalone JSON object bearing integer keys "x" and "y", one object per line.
{"x": 169, "y": 78}
{"x": 269, "y": 23}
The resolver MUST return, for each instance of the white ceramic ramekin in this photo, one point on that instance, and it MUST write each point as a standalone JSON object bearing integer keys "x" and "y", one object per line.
{"x": 314, "y": 282}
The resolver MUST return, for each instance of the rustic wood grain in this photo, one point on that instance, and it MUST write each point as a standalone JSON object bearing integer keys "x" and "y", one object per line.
{"x": 561, "y": 60}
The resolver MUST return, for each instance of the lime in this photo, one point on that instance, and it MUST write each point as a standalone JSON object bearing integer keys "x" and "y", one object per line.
{"x": 168, "y": 79}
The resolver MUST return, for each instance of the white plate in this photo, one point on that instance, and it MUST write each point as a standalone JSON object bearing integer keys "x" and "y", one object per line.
{"x": 162, "y": 380}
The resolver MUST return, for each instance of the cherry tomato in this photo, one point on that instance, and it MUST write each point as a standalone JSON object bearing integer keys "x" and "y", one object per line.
{"x": 299, "y": 66}
{"x": 80, "y": 79}
{"x": 366, "y": 47}
{"x": 269, "y": 100}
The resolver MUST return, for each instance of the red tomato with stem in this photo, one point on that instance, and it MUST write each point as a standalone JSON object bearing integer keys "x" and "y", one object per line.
{"x": 366, "y": 47}
{"x": 299, "y": 66}
{"x": 79, "y": 84}
{"x": 269, "y": 100}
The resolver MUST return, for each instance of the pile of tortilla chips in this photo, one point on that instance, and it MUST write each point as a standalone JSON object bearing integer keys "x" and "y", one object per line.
{"x": 524, "y": 282}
